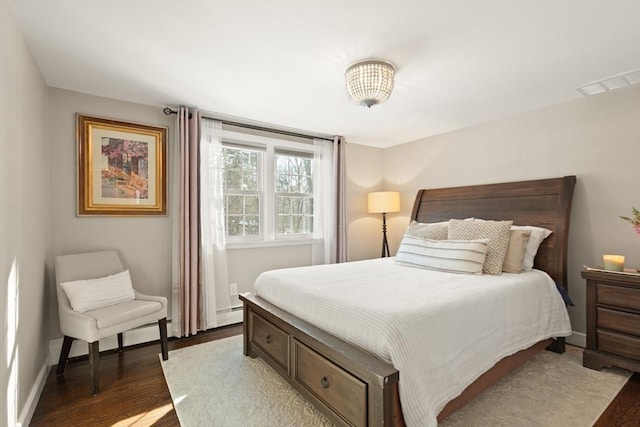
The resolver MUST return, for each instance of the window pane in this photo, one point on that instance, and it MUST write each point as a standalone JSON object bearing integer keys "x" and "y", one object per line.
{"x": 242, "y": 169}
{"x": 282, "y": 184}
{"x": 232, "y": 179}
{"x": 253, "y": 162}
{"x": 233, "y": 226}
{"x": 284, "y": 205}
{"x": 284, "y": 224}
{"x": 234, "y": 205}
{"x": 296, "y": 205}
{"x": 252, "y": 205}
{"x": 308, "y": 206}
{"x": 245, "y": 159}
{"x": 281, "y": 164}
{"x": 307, "y": 185}
{"x": 296, "y": 224}
{"x": 308, "y": 224}
{"x": 252, "y": 225}
{"x": 294, "y": 176}
{"x": 249, "y": 180}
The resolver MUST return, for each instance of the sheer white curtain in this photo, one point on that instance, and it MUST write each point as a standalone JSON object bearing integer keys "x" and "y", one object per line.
{"x": 214, "y": 258}
{"x": 329, "y": 202}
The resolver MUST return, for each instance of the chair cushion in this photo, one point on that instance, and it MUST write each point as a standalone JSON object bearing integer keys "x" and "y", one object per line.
{"x": 90, "y": 294}
{"x": 120, "y": 313}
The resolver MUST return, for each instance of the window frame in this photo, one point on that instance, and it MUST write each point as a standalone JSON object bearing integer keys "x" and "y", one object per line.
{"x": 267, "y": 177}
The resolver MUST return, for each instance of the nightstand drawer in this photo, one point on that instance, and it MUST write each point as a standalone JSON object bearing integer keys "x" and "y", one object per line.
{"x": 345, "y": 394}
{"x": 618, "y": 296}
{"x": 620, "y": 344}
{"x": 619, "y": 321}
{"x": 270, "y": 339}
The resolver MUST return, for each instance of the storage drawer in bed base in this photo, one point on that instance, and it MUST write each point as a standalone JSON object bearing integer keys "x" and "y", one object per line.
{"x": 323, "y": 368}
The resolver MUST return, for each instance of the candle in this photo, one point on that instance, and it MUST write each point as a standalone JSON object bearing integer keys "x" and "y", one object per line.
{"x": 613, "y": 262}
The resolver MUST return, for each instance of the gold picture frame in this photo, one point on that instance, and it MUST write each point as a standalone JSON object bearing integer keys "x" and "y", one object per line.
{"x": 121, "y": 168}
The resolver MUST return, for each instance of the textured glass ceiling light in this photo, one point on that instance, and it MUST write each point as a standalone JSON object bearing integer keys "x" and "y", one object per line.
{"x": 370, "y": 82}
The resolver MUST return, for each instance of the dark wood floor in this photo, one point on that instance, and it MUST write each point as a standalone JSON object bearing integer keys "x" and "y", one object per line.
{"x": 133, "y": 391}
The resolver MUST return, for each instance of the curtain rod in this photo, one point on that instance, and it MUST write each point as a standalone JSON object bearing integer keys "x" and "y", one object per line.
{"x": 168, "y": 111}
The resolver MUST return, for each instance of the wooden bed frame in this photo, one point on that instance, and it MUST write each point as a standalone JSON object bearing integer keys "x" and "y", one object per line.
{"x": 353, "y": 387}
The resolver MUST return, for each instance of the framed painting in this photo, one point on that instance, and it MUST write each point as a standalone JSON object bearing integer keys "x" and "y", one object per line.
{"x": 122, "y": 168}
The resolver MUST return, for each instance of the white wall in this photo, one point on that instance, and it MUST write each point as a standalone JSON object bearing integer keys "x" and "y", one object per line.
{"x": 597, "y": 139}
{"x": 364, "y": 233}
{"x": 144, "y": 243}
{"x": 24, "y": 224}
{"x": 245, "y": 265}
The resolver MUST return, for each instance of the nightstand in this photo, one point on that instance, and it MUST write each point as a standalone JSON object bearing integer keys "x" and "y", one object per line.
{"x": 613, "y": 320}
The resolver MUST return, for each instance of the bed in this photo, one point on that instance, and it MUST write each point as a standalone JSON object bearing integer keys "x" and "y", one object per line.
{"x": 355, "y": 384}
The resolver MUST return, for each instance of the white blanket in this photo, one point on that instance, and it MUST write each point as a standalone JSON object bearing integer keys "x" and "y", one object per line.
{"x": 440, "y": 330}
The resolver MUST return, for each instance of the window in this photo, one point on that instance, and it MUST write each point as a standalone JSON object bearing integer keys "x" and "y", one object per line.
{"x": 242, "y": 191}
{"x": 268, "y": 190}
{"x": 294, "y": 193}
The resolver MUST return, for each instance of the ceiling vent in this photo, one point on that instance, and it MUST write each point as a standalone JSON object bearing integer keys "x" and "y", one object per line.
{"x": 610, "y": 83}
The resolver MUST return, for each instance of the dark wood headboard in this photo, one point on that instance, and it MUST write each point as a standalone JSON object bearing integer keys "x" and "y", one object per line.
{"x": 543, "y": 203}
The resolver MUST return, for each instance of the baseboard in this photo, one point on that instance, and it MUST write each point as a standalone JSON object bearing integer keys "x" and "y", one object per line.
{"x": 578, "y": 339}
{"x": 143, "y": 334}
{"x": 230, "y": 317}
{"x": 34, "y": 395}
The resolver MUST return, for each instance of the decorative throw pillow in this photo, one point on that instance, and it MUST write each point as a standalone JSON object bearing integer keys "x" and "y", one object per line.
{"x": 86, "y": 295}
{"x": 538, "y": 234}
{"x": 433, "y": 231}
{"x": 516, "y": 249}
{"x": 454, "y": 256}
{"x": 496, "y": 231}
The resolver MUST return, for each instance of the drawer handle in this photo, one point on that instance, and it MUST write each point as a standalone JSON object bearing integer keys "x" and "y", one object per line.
{"x": 268, "y": 339}
{"x": 324, "y": 382}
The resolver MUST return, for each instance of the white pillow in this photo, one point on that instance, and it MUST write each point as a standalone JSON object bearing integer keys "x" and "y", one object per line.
{"x": 86, "y": 295}
{"x": 538, "y": 234}
{"x": 454, "y": 256}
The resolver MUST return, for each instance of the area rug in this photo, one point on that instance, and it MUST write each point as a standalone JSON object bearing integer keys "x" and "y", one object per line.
{"x": 214, "y": 384}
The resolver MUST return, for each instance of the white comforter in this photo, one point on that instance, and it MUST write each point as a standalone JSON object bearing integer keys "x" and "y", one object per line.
{"x": 440, "y": 330}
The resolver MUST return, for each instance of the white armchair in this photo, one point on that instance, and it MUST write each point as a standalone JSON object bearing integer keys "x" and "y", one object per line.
{"x": 102, "y": 322}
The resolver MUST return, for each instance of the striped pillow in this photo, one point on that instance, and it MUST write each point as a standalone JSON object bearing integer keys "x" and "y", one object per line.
{"x": 454, "y": 256}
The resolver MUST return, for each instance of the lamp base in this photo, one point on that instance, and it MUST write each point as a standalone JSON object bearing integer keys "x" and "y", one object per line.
{"x": 385, "y": 243}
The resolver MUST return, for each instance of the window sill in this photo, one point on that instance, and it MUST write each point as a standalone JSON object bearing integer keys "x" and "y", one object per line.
{"x": 268, "y": 243}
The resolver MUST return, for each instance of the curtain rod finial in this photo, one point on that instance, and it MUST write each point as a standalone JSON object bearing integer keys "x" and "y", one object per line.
{"x": 168, "y": 111}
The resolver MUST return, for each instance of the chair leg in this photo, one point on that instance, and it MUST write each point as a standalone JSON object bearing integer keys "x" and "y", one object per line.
{"x": 94, "y": 366}
{"x": 64, "y": 354}
{"x": 120, "y": 341}
{"x": 162, "y": 324}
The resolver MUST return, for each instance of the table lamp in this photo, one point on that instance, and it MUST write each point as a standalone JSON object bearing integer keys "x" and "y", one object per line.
{"x": 384, "y": 202}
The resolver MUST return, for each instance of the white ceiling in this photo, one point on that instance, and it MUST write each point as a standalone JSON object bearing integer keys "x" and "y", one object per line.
{"x": 458, "y": 63}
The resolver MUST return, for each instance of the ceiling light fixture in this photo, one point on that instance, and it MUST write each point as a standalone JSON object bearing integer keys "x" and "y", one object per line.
{"x": 370, "y": 82}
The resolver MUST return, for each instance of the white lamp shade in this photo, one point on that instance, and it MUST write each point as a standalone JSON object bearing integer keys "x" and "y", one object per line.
{"x": 384, "y": 202}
